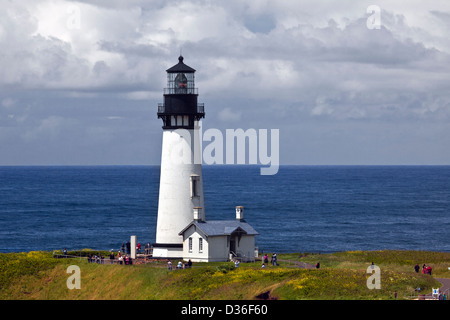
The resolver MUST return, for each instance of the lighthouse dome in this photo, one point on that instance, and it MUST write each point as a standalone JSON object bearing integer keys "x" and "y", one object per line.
{"x": 180, "y": 67}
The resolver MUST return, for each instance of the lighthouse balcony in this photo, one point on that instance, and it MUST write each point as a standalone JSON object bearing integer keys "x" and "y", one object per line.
{"x": 180, "y": 90}
{"x": 162, "y": 110}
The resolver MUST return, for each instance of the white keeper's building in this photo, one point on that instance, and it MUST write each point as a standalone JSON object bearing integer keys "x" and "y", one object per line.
{"x": 219, "y": 240}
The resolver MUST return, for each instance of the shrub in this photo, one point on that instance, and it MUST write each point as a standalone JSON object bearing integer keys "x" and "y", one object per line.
{"x": 15, "y": 265}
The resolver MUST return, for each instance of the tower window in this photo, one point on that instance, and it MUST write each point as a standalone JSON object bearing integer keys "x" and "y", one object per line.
{"x": 195, "y": 180}
{"x": 179, "y": 121}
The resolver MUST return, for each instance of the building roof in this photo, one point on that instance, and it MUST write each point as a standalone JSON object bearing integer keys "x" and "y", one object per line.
{"x": 180, "y": 67}
{"x": 222, "y": 227}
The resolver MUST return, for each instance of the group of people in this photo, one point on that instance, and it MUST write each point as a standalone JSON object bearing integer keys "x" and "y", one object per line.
{"x": 425, "y": 269}
{"x": 180, "y": 265}
{"x": 126, "y": 247}
{"x": 121, "y": 259}
{"x": 273, "y": 259}
{"x": 95, "y": 259}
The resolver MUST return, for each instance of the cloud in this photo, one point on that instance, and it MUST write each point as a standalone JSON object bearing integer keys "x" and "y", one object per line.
{"x": 48, "y": 129}
{"x": 227, "y": 115}
{"x": 8, "y": 103}
{"x": 69, "y": 65}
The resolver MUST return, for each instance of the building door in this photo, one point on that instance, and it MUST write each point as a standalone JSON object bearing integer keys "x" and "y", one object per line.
{"x": 233, "y": 245}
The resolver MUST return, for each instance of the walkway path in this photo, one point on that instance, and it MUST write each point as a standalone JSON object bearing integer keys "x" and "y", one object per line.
{"x": 445, "y": 284}
{"x": 299, "y": 264}
{"x": 444, "y": 289}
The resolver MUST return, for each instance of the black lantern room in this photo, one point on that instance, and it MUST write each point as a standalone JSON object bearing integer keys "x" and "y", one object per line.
{"x": 180, "y": 108}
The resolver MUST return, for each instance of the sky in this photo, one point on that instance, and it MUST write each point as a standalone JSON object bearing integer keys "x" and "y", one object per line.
{"x": 344, "y": 82}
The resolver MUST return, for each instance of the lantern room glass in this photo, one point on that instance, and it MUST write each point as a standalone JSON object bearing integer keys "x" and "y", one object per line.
{"x": 180, "y": 83}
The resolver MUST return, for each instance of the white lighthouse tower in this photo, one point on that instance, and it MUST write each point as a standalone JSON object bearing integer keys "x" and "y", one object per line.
{"x": 181, "y": 183}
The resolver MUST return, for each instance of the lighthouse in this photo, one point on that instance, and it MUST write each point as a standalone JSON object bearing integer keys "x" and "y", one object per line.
{"x": 181, "y": 183}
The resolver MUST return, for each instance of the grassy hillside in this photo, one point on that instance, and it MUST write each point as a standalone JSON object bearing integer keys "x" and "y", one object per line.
{"x": 37, "y": 275}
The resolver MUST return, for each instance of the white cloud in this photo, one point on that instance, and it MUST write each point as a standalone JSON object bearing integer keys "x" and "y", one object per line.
{"x": 268, "y": 62}
{"x": 227, "y": 114}
{"x": 49, "y": 129}
{"x": 8, "y": 103}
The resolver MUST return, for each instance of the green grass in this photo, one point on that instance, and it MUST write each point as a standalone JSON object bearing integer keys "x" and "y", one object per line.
{"x": 393, "y": 260}
{"x": 36, "y": 275}
{"x": 13, "y": 266}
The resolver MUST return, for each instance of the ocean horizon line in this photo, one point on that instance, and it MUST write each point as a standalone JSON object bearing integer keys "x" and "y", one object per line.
{"x": 221, "y": 165}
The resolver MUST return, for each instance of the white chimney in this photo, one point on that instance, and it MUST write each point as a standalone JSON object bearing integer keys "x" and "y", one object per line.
{"x": 239, "y": 213}
{"x": 197, "y": 213}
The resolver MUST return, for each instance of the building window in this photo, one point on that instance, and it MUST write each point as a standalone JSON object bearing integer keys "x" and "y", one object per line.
{"x": 200, "y": 245}
{"x": 190, "y": 244}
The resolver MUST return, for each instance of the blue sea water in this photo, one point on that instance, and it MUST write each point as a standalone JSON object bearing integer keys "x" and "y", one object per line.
{"x": 300, "y": 209}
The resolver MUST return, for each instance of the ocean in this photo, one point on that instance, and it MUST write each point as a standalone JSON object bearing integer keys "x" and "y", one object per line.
{"x": 300, "y": 209}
